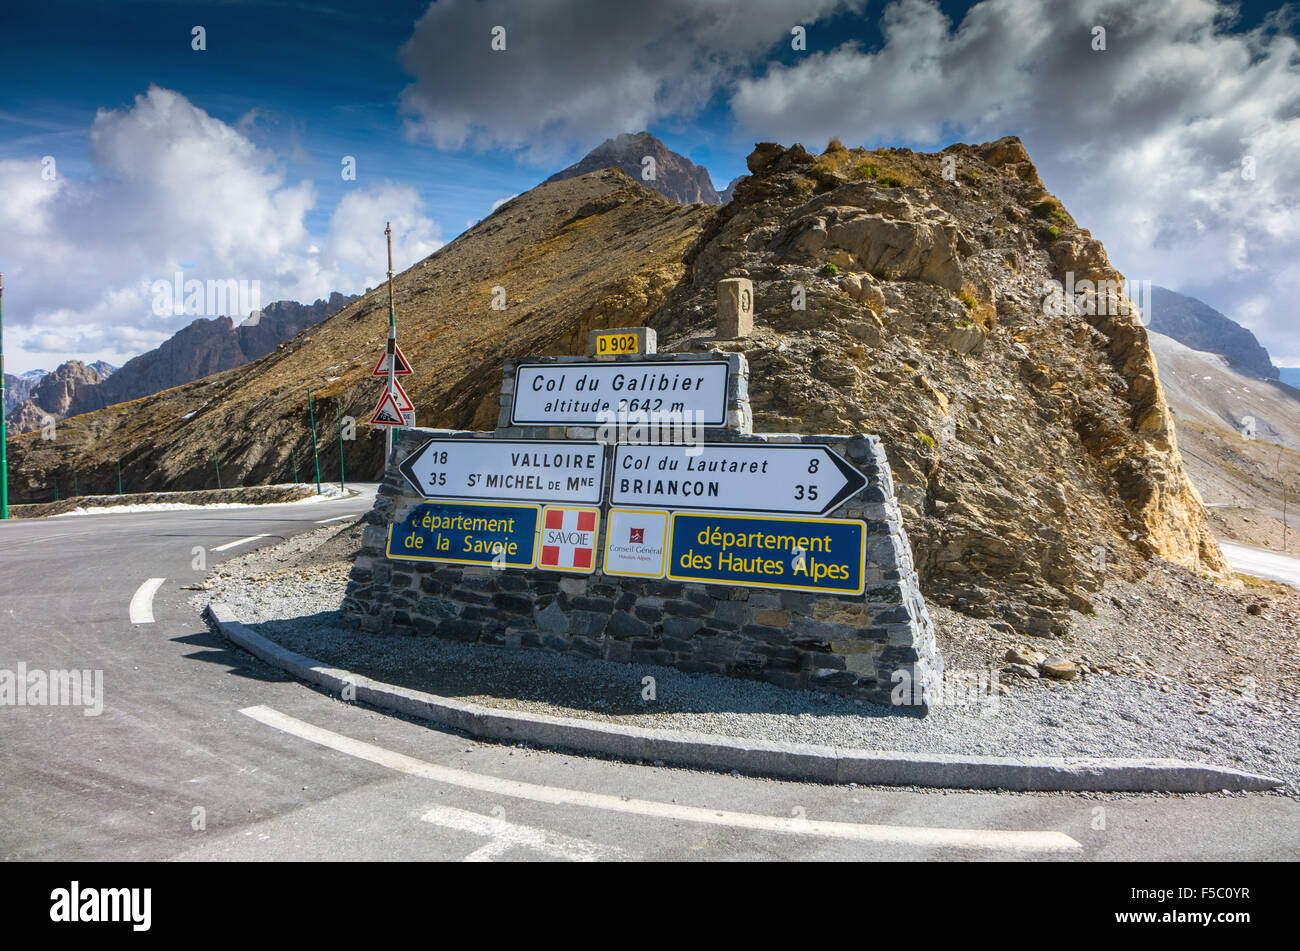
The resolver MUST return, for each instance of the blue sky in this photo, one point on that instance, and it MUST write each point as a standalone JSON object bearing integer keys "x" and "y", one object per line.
{"x": 225, "y": 162}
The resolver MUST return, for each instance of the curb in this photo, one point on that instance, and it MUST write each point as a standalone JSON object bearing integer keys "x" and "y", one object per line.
{"x": 792, "y": 761}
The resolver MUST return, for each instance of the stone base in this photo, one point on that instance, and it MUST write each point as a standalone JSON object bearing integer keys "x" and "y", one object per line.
{"x": 878, "y": 646}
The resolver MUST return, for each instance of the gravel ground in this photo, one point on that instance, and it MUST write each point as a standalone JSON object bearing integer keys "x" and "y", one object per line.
{"x": 290, "y": 593}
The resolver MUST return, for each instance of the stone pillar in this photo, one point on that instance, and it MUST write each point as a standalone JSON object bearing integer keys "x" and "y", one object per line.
{"x": 735, "y": 307}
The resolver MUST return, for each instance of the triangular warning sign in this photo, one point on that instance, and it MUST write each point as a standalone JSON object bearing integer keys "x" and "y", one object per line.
{"x": 387, "y": 412}
{"x": 403, "y": 368}
{"x": 403, "y": 401}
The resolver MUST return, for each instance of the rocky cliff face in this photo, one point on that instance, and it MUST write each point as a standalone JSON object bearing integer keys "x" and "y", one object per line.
{"x": 19, "y": 388}
{"x": 1034, "y": 451}
{"x": 52, "y": 396}
{"x": 1196, "y": 324}
{"x": 676, "y": 176}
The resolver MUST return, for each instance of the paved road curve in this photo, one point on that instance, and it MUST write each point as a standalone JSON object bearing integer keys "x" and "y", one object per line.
{"x": 202, "y": 752}
{"x": 1262, "y": 563}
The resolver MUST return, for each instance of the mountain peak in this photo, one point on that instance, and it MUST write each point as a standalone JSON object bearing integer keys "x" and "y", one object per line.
{"x": 1196, "y": 324}
{"x": 674, "y": 175}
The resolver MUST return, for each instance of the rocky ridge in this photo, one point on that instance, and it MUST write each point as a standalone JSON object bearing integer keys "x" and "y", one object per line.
{"x": 675, "y": 176}
{"x": 1034, "y": 454}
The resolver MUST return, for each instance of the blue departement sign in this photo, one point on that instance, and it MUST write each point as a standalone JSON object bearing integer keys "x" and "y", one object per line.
{"x": 460, "y": 533}
{"x": 805, "y": 554}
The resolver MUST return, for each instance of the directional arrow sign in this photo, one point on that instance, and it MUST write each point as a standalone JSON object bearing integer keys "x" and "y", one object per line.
{"x": 525, "y": 470}
{"x": 776, "y": 479}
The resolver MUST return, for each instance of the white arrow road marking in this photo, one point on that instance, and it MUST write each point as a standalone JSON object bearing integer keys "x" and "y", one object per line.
{"x": 1012, "y": 840}
{"x": 141, "y": 609}
{"x": 241, "y": 541}
{"x": 509, "y": 835}
{"x": 322, "y": 521}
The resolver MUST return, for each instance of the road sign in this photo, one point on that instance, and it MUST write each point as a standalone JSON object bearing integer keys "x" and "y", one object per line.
{"x": 387, "y": 412}
{"x": 613, "y": 344}
{"x": 729, "y": 477}
{"x": 635, "y": 542}
{"x": 403, "y": 368}
{"x": 591, "y": 394}
{"x": 460, "y": 533}
{"x": 807, "y": 554}
{"x": 403, "y": 401}
{"x": 569, "y": 539}
{"x": 525, "y": 470}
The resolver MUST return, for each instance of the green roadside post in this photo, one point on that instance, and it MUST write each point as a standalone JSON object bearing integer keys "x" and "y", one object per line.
{"x": 342, "y": 481}
{"x": 315, "y": 453}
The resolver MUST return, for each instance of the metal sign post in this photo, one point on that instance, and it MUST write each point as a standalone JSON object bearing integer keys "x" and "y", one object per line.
{"x": 392, "y": 341}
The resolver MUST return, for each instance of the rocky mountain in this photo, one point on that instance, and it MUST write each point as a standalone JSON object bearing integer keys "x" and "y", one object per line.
{"x": 1034, "y": 453}
{"x": 19, "y": 388}
{"x": 205, "y": 347}
{"x": 1196, "y": 324}
{"x": 674, "y": 175}
{"x": 52, "y": 395}
{"x": 726, "y": 193}
{"x": 1240, "y": 438}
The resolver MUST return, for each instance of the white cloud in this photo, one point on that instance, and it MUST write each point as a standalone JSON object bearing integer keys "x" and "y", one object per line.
{"x": 581, "y": 70}
{"x": 1144, "y": 141}
{"x": 175, "y": 189}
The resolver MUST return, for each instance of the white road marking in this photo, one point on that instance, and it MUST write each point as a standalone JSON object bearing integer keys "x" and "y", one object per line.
{"x": 322, "y": 521}
{"x": 241, "y": 541}
{"x": 509, "y": 835}
{"x": 1012, "y": 840}
{"x": 141, "y": 610}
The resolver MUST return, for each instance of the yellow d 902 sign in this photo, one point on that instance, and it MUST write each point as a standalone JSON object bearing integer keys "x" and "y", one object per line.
{"x": 610, "y": 344}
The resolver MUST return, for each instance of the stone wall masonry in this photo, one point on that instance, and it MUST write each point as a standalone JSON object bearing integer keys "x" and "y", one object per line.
{"x": 871, "y": 646}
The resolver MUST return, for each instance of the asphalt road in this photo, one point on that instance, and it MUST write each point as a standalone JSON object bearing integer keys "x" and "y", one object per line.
{"x": 202, "y": 752}
{"x": 1262, "y": 563}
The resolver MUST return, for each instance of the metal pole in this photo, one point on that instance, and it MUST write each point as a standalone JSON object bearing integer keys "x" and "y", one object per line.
{"x": 4, "y": 435}
{"x": 342, "y": 481}
{"x": 392, "y": 340}
{"x": 56, "y": 488}
{"x": 314, "y": 454}
{"x": 119, "y": 475}
{"x": 217, "y": 466}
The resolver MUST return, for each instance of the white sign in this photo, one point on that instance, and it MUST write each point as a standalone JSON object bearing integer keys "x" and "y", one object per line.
{"x": 635, "y": 541}
{"x": 526, "y": 470}
{"x": 589, "y": 394}
{"x": 726, "y": 477}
